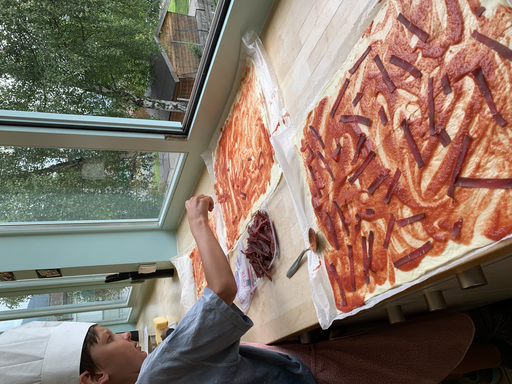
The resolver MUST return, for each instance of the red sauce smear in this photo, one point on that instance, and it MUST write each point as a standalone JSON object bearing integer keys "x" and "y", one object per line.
{"x": 318, "y": 184}
{"x": 340, "y": 96}
{"x": 422, "y": 35}
{"x": 415, "y": 72}
{"x": 318, "y": 191}
{"x": 311, "y": 153}
{"x": 450, "y": 54}
{"x": 414, "y": 254}
{"x": 360, "y": 60}
{"x": 197, "y": 265}
{"x": 244, "y": 135}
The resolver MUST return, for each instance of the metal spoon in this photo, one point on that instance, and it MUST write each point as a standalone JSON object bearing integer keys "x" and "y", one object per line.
{"x": 312, "y": 245}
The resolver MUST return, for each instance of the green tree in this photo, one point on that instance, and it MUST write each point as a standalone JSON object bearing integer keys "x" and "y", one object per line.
{"x": 70, "y": 297}
{"x": 53, "y": 184}
{"x": 13, "y": 302}
{"x": 80, "y": 57}
{"x": 94, "y": 295}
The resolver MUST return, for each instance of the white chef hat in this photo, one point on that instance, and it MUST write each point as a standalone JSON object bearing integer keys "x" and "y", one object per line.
{"x": 42, "y": 353}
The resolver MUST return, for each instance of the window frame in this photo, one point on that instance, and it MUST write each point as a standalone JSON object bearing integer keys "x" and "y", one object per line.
{"x": 217, "y": 76}
{"x": 128, "y": 125}
{"x": 93, "y": 283}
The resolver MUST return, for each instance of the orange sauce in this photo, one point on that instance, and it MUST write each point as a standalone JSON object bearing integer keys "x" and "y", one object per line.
{"x": 244, "y": 157}
{"x": 419, "y": 189}
{"x": 197, "y": 265}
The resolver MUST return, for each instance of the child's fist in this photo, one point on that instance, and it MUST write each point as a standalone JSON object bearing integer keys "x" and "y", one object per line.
{"x": 198, "y": 207}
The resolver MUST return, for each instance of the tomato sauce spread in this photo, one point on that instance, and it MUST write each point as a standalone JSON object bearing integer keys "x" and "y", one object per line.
{"x": 244, "y": 157}
{"x": 421, "y": 191}
{"x": 197, "y": 265}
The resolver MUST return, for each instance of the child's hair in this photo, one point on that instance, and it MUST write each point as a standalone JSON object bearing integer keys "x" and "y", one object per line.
{"x": 86, "y": 362}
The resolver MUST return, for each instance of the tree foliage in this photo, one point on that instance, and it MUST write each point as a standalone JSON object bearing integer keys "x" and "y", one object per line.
{"x": 13, "y": 302}
{"x": 95, "y": 295}
{"x": 70, "y": 297}
{"x": 54, "y": 184}
{"x": 80, "y": 57}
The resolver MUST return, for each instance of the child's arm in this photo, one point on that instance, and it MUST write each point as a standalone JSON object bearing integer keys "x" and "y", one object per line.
{"x": 216, "y": 266}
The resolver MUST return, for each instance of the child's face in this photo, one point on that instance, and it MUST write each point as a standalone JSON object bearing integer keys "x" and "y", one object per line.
{"x": 117, "y": 355}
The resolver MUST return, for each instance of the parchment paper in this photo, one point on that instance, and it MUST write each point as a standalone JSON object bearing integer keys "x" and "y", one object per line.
{"x": 183, "y": 264}
{"x": 277, "y": 117}
{"x": 362, "y": 12}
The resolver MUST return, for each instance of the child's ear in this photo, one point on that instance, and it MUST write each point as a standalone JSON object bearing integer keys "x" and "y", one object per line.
{"x": 98, "y": 378}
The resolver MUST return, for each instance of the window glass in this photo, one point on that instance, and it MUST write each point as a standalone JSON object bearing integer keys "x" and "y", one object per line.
{"x": 107, "y": 316}
{"x": 66, "y": 298}
{"x": 59, "y": 184}
{"x": 116, "y": 58}
{"x": 66, "y": 303}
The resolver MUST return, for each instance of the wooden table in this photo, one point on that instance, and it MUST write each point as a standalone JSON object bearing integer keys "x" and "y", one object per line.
{"x": 282, "y": 307}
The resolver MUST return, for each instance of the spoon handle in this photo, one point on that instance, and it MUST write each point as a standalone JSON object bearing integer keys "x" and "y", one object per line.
{"x": 295, "y": 265}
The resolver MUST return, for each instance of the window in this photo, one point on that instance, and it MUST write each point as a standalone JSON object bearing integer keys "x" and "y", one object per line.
{"x": 55, "y": 104}
{"x": 105, "y": 317}
{"x": 123, "y": 60}
{"x": 93, "y": 303}
{"x": 66, "y": 184}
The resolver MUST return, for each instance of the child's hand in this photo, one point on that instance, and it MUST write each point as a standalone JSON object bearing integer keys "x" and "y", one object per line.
{"x": 197, "y": 209}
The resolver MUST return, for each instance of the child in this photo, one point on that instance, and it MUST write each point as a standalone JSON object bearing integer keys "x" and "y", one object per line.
{"x": 205, "y": 347}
